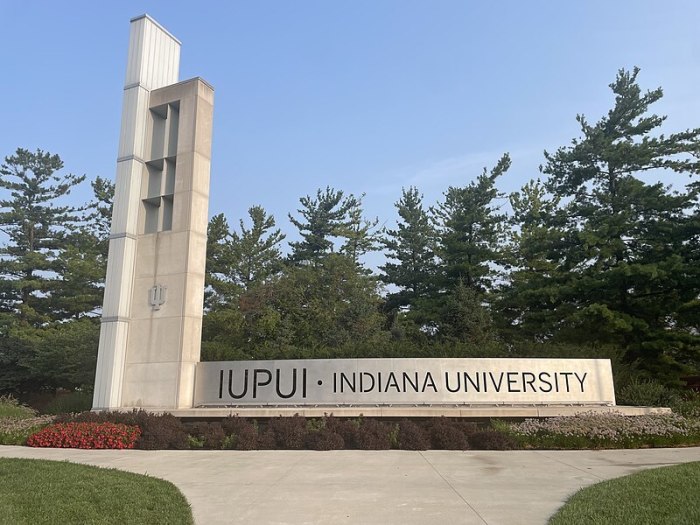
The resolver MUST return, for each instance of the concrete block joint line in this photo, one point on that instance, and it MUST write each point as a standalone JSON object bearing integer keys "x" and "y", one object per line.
{"x": 373, "y": 487}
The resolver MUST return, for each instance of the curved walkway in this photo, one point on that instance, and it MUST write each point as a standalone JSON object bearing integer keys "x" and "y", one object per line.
{"x": 375, "y": 487}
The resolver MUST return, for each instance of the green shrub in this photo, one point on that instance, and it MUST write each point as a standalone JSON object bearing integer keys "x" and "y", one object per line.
{"x": 206, "y": 435}
{"x": 289, "y": 432}
{"x": 490, "y": 439}
{"x": 446, "y": 435}
{"x": 374, "y": 435}
{"x": 411, "y": 436}
{"x": 687, "y": 404}
{"x": 324, "y": 439}
{"x": 71, "y": 403}
{"x": 194, "y": 442}
{"x": 646, "y": 393}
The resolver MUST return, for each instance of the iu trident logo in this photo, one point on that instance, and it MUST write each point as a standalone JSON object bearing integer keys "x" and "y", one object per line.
{"x": 156, "y": 296}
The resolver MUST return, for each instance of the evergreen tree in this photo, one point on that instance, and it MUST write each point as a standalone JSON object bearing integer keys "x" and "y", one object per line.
{"x": 238, "y": 261}
{"x": 627, "y": 252}
{"x": 256, "y": 250}
{"x": 239, "y": 268}
{"x": 529, "y": 298}
{"x": 82, "y": 266}
{"x": 221, "y": 288}
{"x": 323, "y": 220}
{"x": 38, "y": 229}
{"x": 99, "y": 218}
{"x": 412, "y": 246}
{"x": 326, "y": 306}
{"x": 465, "y": 319}
{"x": 359, "y": 232}
{"x": 52, "y": 267}
{"x": 471, "y": 231}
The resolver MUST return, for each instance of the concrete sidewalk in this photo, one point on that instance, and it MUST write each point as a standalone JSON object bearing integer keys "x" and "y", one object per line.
{"x": 373, "y": 487}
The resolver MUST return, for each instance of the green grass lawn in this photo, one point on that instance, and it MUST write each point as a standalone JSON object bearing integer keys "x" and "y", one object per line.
{"x": 48, "y": 492}
{"x": 667, "y": 495}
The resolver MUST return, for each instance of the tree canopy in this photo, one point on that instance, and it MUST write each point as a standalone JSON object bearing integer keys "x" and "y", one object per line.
{"x": 596, "y": 256}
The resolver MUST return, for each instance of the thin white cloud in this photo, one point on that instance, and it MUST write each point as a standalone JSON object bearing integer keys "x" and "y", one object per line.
{"x": 436, "y": 177}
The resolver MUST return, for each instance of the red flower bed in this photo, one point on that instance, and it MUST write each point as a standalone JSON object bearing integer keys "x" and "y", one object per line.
{"x": 86, "y": 435}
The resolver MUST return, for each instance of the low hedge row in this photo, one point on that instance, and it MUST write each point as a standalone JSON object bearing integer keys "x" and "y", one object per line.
{"x": 293, "y": 433}
{"x": 583, "y": 431}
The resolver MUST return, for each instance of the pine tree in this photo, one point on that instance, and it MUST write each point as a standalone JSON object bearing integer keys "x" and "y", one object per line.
{"x": 323, "y": 220}
{"x": 360, "y": 233}
{"x": 221, "y": 288}
{"x": 412, "y": 246}
{"x": 626, "y": 255}
{"x": 465, "y": 319}
{"x": 529, "y": 299}
{"x": 324, "y": 307}
{"x": 240, "y": 266}
{"x": 52, "y": 266}
{"x": 239, "y": 261}
{"x": 37, "y": 228}
{"x": 256, "y": 250}
{"x": 471, "y": 231}
{"x": 82, "y": 266}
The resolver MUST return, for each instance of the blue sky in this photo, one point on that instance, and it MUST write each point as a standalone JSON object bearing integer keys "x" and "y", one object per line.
{"x": 363, "y": 96}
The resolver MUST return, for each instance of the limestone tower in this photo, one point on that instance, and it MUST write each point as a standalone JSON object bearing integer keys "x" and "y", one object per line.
{"x": 152, "y": 314}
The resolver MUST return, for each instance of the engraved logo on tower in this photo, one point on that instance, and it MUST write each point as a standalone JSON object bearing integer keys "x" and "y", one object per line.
{"x": 157, "y": 295}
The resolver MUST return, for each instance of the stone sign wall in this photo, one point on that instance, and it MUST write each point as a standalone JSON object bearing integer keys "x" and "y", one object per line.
{"x": 404, "y": 382}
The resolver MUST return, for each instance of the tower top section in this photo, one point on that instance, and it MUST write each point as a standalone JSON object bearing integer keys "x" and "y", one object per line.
{"x": 149, "y": 17}
{"x": 154, "y": 55}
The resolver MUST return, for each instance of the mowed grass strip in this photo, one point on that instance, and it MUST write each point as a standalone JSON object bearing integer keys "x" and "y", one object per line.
{"x": 666, "y": 495}
{"x": 48, "y": 492}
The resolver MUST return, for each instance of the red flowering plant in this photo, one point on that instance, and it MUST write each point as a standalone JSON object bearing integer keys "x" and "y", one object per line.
{"x": 86, "y": 435}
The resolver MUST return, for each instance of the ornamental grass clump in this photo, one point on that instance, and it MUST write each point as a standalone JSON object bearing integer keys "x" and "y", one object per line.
{"x": 86, "y": 435}
{"x": 607, "y": 430}
{"x": 16, "y": 430}
{"x": 12, "y": 408}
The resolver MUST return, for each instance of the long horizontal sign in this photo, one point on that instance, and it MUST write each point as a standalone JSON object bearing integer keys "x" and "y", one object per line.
{"x": 404, "y": 381}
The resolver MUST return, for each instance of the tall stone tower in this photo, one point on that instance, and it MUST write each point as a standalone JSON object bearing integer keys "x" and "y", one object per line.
{"x": 152, "y": 314}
